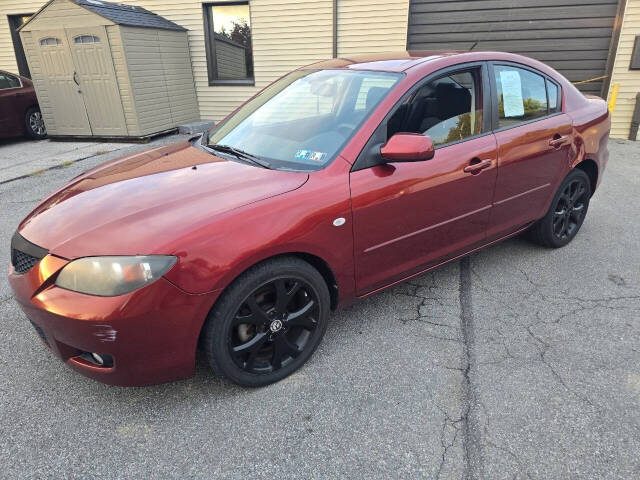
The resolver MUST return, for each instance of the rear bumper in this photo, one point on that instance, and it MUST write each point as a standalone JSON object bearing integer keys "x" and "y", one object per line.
{"x": 151, "y": 333}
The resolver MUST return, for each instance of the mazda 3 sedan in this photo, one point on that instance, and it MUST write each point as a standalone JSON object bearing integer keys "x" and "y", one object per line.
{"x": 334, "y": 182}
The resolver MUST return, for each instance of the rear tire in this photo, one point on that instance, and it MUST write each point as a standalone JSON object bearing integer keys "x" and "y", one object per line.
{"x": 268, "y": 323}
{"x": 34, "y": 124}
{"x": 566, "y": 214}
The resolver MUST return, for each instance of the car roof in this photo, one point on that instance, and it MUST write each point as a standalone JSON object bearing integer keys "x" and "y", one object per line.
{"x": 402, "y": 61}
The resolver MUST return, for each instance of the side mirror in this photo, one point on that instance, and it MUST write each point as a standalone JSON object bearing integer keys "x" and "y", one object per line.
{"x": 407, "y": 147}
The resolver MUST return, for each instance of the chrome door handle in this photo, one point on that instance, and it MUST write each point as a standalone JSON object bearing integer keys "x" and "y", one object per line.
{"x": 477, "y": 166}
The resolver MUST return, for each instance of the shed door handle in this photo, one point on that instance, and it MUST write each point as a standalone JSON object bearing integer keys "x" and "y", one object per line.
{"x": 75, "y": 78}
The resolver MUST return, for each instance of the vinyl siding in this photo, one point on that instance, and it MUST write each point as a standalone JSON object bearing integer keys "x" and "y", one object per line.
{"x": 629, "y": 80}
{"x": 12, "y": 7}
{"x": 372, "y": 26}
{"x": 286, "y": 35}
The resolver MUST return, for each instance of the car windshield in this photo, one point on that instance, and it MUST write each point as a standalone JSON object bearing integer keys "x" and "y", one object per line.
{"x": 302, "y": 121}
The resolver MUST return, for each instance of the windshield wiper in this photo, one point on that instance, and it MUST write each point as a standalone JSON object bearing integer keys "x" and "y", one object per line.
{"x": 241, "y": 154}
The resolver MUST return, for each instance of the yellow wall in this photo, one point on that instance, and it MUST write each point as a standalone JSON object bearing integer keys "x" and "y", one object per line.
{"x": 286, "y": 34}
{"x": 629, "y": 80}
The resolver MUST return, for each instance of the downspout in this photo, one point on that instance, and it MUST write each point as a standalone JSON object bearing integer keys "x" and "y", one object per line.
{"x": 335, "y": 28}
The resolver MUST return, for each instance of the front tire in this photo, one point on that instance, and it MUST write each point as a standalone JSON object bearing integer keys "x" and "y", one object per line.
{"x": 268, "y": 323}
{"x": 567, "y": 212}
{"x": 34, "y": 124}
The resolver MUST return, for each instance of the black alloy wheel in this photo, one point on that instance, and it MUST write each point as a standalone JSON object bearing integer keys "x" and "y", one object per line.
{"x": 570, "y": 209}
{"x": 273, "y": 325}
{"x": 268, "y": 322}
{"x": 567, "y": 212}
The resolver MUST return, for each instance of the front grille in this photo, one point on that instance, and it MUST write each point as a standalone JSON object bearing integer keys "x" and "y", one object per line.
{"x": 41, "y": 334}
{"x": 22, "y": 262}
{"x": 24, "y": 254}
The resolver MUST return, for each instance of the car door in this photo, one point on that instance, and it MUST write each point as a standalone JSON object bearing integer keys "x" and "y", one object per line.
{"x": 409, "y": 216}
{"x": 534, "y": 145}
{"x": 10, "y": 119}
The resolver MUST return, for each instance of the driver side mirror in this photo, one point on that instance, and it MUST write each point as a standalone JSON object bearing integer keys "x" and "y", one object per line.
{"x": 407, "y": 147}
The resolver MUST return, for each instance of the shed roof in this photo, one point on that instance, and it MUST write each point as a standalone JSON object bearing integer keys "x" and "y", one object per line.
{"x": 121, "y": 14}
{"x": 128, "y": 15}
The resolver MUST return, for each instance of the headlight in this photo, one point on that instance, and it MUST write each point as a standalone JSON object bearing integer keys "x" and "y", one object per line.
{"x": 111, "y": 276}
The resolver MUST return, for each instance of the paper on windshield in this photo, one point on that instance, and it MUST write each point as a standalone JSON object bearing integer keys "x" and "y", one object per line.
{"x": 512, "y": 93}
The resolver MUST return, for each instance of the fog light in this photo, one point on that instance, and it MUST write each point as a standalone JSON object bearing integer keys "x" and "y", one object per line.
{"x": 99, "y": 359}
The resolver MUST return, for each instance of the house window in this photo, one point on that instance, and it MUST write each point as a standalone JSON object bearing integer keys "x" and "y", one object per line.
{"x": 228, "y": 43}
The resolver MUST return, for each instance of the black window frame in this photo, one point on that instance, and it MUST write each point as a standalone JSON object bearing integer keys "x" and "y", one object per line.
{"x": 495, "y": 120}
{"x": 210, "y": 46}
{"x": 369, "y": 156}
{"x": 18, "y": 48}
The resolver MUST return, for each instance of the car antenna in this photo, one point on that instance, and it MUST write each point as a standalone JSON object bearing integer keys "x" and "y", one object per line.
{"x": 473, "y": 46}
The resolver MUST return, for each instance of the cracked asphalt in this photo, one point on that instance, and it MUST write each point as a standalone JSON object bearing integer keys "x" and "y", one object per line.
{"x": 514, "y": 363}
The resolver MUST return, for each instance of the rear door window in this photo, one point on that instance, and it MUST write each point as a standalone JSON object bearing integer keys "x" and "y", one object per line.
{"x": 521, "y": 94}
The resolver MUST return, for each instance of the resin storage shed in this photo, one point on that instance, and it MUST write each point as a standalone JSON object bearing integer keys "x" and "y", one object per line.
{"x": 108, "y": 70}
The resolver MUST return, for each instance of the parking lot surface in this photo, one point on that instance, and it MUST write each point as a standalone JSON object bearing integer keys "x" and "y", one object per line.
{"x": 516, "y": 362}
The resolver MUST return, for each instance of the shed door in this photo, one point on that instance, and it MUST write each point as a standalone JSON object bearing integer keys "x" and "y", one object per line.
{"x": 572, "y": 36}
{"x": 57, "y": 72}
{"x": 97, "y": 78}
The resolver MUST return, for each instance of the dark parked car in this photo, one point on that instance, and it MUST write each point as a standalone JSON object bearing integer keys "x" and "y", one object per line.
{"x": 19, "y": 111}
{"x": 334, "y": 182}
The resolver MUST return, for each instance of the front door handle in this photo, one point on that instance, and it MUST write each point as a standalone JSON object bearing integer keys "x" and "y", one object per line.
{"x": 476, "y": 166}
{"x": 558, "y": 140}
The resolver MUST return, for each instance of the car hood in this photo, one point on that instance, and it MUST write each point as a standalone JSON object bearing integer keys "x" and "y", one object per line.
{"x": 143, "y": 203}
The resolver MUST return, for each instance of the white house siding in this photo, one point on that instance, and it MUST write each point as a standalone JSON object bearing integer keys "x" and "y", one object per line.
{"x": 628, "y": 80}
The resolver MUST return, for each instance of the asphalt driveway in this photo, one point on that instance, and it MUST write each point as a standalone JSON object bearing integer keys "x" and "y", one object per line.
{"x": 516, "y": 362}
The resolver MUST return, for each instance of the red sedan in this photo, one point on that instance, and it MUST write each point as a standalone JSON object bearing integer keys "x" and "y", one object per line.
{"x": 19, "y": 111}
{"x": 334, "y": 182}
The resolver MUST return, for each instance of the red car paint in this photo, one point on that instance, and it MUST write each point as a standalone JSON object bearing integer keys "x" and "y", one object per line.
{"x": 220, "y": 217}
{"x": 14, "y": 103}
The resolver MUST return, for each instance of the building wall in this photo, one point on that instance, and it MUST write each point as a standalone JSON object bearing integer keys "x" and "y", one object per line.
{"x": 628, "y": 80}
{"x": 286, "y": 35}
{"x": 231, "y": 61}
{"x": 372, "y": 26}
{"x": 12, "y": 7}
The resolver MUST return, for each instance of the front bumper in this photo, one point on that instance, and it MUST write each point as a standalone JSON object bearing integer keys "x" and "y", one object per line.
{"x": 151, "y": 333}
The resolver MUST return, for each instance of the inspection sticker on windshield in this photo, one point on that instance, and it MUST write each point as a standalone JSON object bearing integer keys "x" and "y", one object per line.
{"x": 310, "y": 155}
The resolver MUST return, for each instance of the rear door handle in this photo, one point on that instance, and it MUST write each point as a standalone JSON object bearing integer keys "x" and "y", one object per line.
{"x": 476, "y": 166}
{"x": 558, "y": 140}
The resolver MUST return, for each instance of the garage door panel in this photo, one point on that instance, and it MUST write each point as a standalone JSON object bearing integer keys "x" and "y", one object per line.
{"x": 563, "y": 34}
{"x": 510, "y": 26}
{"x": 506, "y": 15}
{"x": 519, "y": 35}
{"x": 449, "y": 6}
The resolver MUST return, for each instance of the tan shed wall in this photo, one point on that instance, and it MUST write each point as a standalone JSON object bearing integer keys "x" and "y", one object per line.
{"x": 176, "y": 61}
{"x": 629, "y": 80}
{"x": 122, "y": 76}
{"x": 33, "y": 60}
{"x": 160, "y": 76}
{"x": 372, "y": 26}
